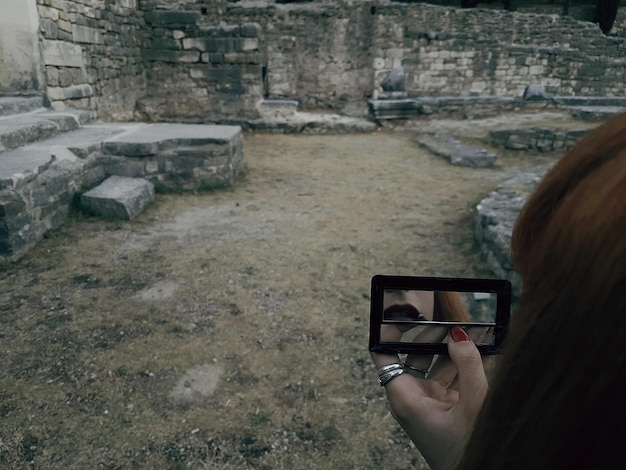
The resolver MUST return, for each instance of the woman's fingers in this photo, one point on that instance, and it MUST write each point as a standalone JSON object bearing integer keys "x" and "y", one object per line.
{"x": 429, "y": 334}
{"x": 472, "y": 382}
{"x": 382, "y": 359}
{"x": 439, "y": 412}
{"x": 443, "y": 370}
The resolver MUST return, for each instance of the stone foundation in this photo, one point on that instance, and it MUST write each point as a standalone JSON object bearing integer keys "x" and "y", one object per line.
{"x": 38, "y": 191}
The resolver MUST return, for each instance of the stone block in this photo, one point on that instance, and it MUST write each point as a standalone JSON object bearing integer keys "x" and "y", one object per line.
{"x": 394, "y": 81}
{"x": 495, "y": 217}
{"x": 172, "y": 17}
{"x": 62, "y": 53}
{"x": 459, "y": 154}
{"x": 50, "y": 29}
{"x": 118, "y": 198}
{"x": 171, "y": 56}
{"x": 65, "y": 26}
{"x": 19, "y": 104}
{"x": 70, "y": 93}
{"x": 250, "y": 30}
{"x": 87, "y": 35}
{"x": 194, "y": 43}
{"x": 535, "y": 93}
{"x": 249, "y": 44}
{"x": 221, "y": 75}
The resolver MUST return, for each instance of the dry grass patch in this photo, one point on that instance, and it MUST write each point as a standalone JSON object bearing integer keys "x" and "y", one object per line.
{"x": 261, "y": 291}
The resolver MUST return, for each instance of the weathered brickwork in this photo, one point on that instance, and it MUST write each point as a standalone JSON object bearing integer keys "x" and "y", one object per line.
{"x": 496, "y": 53}
{"x": 201, "y": 71}
{"x": 92, "y": 54}
{"x": 216, "y": 60}
{"x": 327, "y": 55}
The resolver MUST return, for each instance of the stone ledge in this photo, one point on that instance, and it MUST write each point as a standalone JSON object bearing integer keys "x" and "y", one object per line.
{"x": 457, "y": 153}
{"x": 594, "y": 113}
{"x": 11, "y": 105}
{"x": 390, "y": 109}
{"x": 23, "y": 129}
{"x": 467, "y": 106}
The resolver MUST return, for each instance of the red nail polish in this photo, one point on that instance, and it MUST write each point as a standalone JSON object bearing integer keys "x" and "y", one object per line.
{"x": 458, "y": 334}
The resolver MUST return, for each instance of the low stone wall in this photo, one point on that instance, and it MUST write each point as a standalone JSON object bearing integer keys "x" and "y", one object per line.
{"x": 537, "y": 140}
{"x": 38, "y": 203}
{"x": 494, "y": 219}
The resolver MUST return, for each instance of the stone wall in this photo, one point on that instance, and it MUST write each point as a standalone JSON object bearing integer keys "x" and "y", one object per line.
{"x": 319, "y": 54}
{"x": 200, "y": 69}
{"x": 220, "y": 66}
{"x": 217, "y": 60}
{"x": 449, "y": 51}
{"x": 92, "y": 55}
{"x": 332, "y": 54}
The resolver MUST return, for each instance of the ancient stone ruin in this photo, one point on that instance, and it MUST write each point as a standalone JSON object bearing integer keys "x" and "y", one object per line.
{"x": 160, "y": 90}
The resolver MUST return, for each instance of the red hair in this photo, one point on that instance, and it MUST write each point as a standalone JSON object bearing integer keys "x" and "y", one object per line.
{"x": 557, "y": 398}
{"x": 448, "y": 307}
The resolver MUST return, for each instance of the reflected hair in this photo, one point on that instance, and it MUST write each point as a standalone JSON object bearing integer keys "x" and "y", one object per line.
{"x": 557, "y": 397}
{"x": 449, "y": 307}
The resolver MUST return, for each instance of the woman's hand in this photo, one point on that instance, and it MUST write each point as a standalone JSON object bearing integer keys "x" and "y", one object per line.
{"x": 438, "y": 413}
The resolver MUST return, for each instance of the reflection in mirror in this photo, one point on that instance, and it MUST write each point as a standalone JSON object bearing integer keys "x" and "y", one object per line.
{"x": 422, "y": 316}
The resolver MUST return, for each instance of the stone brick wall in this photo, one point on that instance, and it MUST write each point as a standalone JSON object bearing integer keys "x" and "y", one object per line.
{"x": 496, "y": 53}
{"x": 319, "y": 54}
{"x": 92, "y": 55}
{"x": 330, "y": 54}
{"x": 201, "y": 69}
{"x": 216, "y": 60}
{"x": 222, "y": 63}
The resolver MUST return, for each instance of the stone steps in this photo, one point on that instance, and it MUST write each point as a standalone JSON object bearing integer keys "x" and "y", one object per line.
{"x": 11, "y": 105}
{"x": 21, "y": 165}
{"x": 22, "y": 129}
{"x": 47, "y": 158}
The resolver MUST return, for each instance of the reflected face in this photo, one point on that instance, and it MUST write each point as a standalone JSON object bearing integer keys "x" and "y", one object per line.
{"x": 408, "y": 305}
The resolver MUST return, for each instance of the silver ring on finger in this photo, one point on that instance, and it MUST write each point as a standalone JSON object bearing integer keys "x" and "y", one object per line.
{"x": 416, "y": 371}
{"x": 386, "y": 377}
{"x": 389, "y": 368}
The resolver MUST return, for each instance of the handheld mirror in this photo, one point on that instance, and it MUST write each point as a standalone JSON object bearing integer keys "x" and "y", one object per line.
{"x": 412, "y": 315}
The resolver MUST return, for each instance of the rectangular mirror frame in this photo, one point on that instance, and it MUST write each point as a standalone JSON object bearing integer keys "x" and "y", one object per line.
{"x": 380, "y": 283}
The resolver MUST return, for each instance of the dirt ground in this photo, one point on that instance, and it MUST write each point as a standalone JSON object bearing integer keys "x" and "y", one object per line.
{"x": 228, "y": 330}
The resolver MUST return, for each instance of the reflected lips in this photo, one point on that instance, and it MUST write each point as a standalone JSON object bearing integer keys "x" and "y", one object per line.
{"x": 405, "y": 312}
